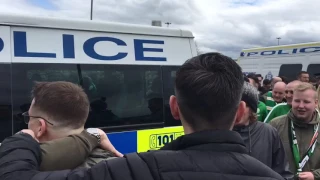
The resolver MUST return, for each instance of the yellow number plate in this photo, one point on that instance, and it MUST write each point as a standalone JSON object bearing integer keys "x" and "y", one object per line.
{"x": 154, "y": 139}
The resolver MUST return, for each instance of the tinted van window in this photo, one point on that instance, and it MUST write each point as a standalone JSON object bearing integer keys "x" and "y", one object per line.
{"x": 119, "y": 94}
{"x": 290, "y": 71}
{"x": 5, "y": 102}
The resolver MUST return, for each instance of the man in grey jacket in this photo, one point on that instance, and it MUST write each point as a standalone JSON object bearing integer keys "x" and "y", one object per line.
{"x": 262, "y": 140}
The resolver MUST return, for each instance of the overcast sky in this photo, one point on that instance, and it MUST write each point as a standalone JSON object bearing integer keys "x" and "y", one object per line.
{"x": 226, "y": 26}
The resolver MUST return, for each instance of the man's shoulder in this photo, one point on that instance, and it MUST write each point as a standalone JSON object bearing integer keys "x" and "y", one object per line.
{"x": 96, "y": 156}
{"x": 280, "y": 105}
{"x": 276, "y": 122}
{"x": 265, "y": 127}
{"x": 188, "y": 160}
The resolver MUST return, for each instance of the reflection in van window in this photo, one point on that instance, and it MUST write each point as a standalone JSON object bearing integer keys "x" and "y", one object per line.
{"x": 119, "y": 94}
{"x": 290, "y": 71}
{"x": 313, "y": 69}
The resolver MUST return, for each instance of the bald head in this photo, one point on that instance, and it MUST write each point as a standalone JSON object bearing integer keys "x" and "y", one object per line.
{"x": 278, "y": 91}
{"x": 275, "y": 80}
{"x": 289, "y": 91}
{"x": 294, "y": 83}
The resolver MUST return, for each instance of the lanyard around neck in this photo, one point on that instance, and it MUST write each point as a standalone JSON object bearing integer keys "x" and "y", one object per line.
{"x": 300, "y": 163}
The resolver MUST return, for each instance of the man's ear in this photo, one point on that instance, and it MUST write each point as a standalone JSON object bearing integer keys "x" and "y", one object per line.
{"x": 42, "y": 129}
{"x": 240, "y": 112}
{"x": 174, "y": 107}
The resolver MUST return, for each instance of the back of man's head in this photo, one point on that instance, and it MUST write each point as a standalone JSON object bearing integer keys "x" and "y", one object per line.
{"x": 65, "y": 103}
{"x": 208, "y": 89}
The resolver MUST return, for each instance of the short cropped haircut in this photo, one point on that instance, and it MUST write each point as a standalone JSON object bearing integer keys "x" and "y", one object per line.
{"x": 253, "y": 77}
{"x": 302, "y": 72}
{"x": 66, "y": 103}
{"x": 266, "y": 81}
{"x": 208, "y": 89}
{"x": 303, "y": 86}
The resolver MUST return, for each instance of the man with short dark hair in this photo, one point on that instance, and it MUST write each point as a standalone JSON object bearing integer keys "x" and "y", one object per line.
{"x": 303, "y": 76}
{"x": 60, "y": 109}
{"x": 260, "y": 78}
{"x": 254, "y": 80}
{"x": 208, "y": 103}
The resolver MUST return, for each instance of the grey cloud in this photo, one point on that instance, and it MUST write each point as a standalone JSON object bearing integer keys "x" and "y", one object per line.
{"x": 226, "y": 26}
{"x": 143, "y": 12}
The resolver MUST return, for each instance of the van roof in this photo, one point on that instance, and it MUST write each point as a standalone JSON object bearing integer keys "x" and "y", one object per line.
{"x": 289, "y": 46}
{"x": 91, "y": 25}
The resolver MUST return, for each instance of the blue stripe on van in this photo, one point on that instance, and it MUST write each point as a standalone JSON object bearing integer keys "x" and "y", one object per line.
{"x": 124, "y": 142}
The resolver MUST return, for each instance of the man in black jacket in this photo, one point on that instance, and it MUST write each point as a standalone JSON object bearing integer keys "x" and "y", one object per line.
{"x": 208, "y": 92}
{"x": 261, "y": 139}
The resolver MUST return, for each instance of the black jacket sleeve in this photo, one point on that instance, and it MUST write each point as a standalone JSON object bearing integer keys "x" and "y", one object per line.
{"x": 280, "y": 163}
{"x": 20, "y": 156}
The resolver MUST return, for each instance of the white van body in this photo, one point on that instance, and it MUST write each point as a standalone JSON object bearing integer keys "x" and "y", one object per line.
{"x": 48, "y": 40}
{"x": 286, "y": 60}
{"x": 122, "y": 64}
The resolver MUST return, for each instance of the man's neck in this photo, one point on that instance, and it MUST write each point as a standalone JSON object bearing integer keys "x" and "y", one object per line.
{"x": 61, "y": 133}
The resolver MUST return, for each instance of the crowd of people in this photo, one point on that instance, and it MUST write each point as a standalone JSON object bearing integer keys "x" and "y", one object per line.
{"x": 236, "y": 127}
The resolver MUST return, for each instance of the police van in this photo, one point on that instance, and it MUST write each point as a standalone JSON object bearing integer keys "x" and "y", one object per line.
{"x": 286, "y": 60}
{"x": 127, "y": 71}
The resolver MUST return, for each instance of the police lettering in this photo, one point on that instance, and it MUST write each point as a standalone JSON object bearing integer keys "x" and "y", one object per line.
{"x": 68, "y": 43}
{"x": 281, "y": 52}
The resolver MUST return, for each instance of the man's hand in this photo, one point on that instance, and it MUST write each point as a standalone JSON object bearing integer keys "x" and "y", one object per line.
{"x": 306, "y": 176}
{"x": 106, "y": 144}
{"x": 31, "y": 133}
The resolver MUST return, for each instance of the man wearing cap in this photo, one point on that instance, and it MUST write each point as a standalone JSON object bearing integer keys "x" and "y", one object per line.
{"x": 262, "y": 108}
{"x": 262, "y": 140}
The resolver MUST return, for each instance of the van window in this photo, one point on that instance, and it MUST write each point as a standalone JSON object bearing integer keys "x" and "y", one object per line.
{"x": 23, "y": 77}
{"x": 123, "y": 94}
{"x": 5, "y": 102}
{"x": 169, "y": 75}
{"x": 119, "y": 94}
{"x": 313, "y": 69}
{"x": 290, "y": 71}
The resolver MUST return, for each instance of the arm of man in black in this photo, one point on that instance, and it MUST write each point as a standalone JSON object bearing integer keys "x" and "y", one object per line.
{"x": 20, "y": 157}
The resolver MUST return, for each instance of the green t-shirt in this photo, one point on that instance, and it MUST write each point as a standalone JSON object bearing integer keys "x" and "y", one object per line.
{"x": 278, "y": 110}
{"x": 261, "y": 111}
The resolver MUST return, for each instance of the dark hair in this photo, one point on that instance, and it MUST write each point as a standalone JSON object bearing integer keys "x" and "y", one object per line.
{"x": 246, "y": 79}
{"x": 301, "y": 72}
{"x": 284, "y": 79}
{"x": 266, "y": 82}
{"x": 259, "y": 75}
{"x": 209, "y": 89}
{"x": 254, "y": 77}
{"x": 65, "y": 102}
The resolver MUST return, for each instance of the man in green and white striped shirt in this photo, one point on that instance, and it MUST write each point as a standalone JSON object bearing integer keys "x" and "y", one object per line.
{"x": 275, "y": 96}
{"x": 283, "y": 108}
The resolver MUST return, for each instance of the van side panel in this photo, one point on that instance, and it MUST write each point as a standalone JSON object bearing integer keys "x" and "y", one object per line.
{"x": 5, "y": 42}
{"x": 71, "y": 46}
{"x": 280, "y": 60}
{"x": 5, "y": 83}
